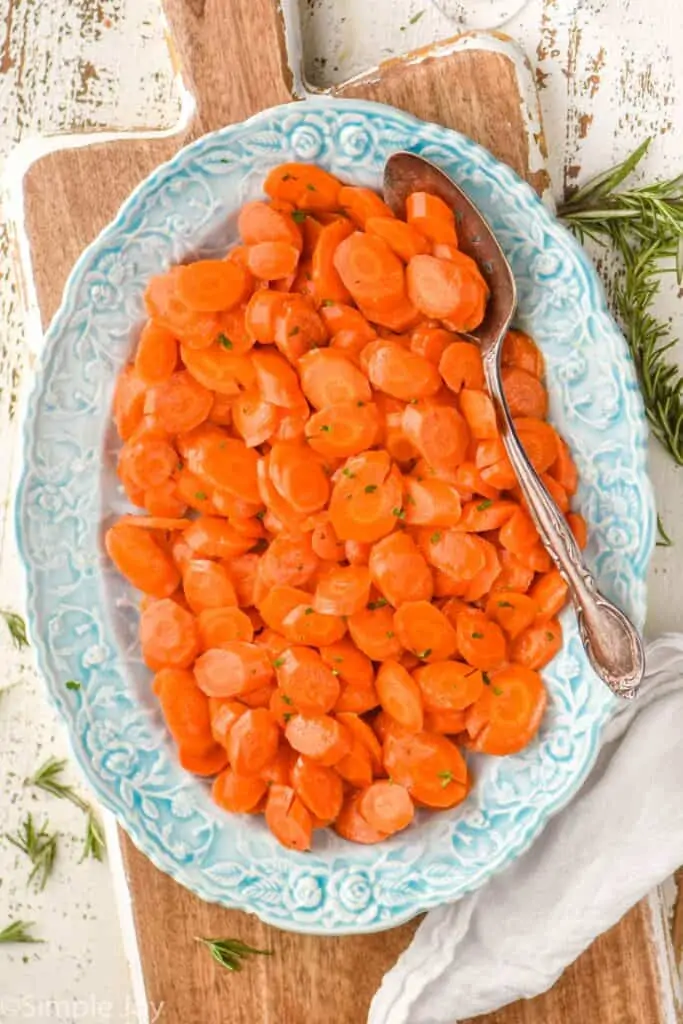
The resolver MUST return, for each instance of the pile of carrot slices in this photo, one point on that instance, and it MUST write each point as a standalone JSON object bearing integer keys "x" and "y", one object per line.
{"x": 342, "y": 587}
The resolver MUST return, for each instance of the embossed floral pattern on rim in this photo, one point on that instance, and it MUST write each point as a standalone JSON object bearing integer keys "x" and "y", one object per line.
{"x": 81, "y": 615}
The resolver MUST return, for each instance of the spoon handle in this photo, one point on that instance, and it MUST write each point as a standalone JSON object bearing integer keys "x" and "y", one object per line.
{"x": 612, "y": 643}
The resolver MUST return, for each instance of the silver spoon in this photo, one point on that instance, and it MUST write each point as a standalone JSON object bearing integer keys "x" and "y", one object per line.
{"x": 612, "y": 643}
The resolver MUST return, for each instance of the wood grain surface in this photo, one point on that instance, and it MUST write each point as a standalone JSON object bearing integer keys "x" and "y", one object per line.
{"x": 69, "y": 196}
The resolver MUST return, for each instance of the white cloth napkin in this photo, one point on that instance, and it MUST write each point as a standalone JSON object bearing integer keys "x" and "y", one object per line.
{"x": 620, "y": 836}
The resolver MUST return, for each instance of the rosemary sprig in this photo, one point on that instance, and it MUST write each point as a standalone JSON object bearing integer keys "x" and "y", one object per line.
{"x": 663, "y": 538}
{"x": 16, "y": 627}
{"x": 230, "y": 953}
{"x": 48, "y": 778}
{"x": 39, "y": 846}
{"x": 18, "y": 931}
{"x": 643, "y": 226}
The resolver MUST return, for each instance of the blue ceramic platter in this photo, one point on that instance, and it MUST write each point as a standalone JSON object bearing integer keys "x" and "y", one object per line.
{"x": 82, "y": 614}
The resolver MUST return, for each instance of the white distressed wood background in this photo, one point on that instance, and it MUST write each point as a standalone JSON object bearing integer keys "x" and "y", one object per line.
{"x": 607, "y": 73}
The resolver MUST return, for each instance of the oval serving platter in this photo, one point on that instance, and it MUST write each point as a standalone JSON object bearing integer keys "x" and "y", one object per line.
{"x": 83, "y": 616}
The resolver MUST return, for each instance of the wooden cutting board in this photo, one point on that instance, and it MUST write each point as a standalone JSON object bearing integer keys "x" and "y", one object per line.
{"x": 70, "y": 195}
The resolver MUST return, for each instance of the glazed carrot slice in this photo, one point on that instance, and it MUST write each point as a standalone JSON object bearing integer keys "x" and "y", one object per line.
{"x": 366, "y": 500}
{"x": 278, "y": 602}
{"x": 483, "y": 582}
{"x": 238, "y": 793}
{"x": 508, "y": 713}
{"x": 356, "y": 699}
{"x": 356, "y": 766}
{"x": 513, "y": 611}
{"x": 518, "y": 533}
{"x": 255, "y": 420}
{"x": 424, "y": 629}
{"x": 206, "y": 764}
{"x": 430, "y": 342}
{"x": 549, "y": 594}
{"x": 324, "y": 540}
{"x": 207, "y": 585}
{"x": 327, "y": 283}
{"x": 399, "y": 695}
{"x": 222, "y": 624}
{"x": 305, "y": 185}
{"x": 264, "y": 222}
{"x": 142, "y": 560}
{"x": 343, "y": 591}
{"x": 535, "y": 646}
{"x": 430, "y": 766}
{"x": 563, "y": 469}
{"x": 319, "y": 788}
{"x": 540, "y": 442}
{"x": 288, "y": 819}
{"x": 402, "y": 373}
{"x": 525, "y": 393}
{"x": 349, "y": 664}
{"x": 304, "y": 625}
{"x": 169, "y": 636}
{"x": 156, "y": 355}
{"x": 233, "y": 669}
{"x": 432, "y": 217}
{"x": 179, "y": 404}
{"x": 461, "y": 367}
{"x": 328, "y": 377}
{"x": 185, "y": 709}
{"x": 164, "y": 502}
{"x": 362, "y": 732}
{"x": 214, "y": 537}
{"x": 238, "y": 254}
{"x": 224, "y": 463}
{"x": 272, "y": 261}
{"x": 399, "y": 570}
{"x": 370, "y": 271}
{"x": 577, "y": 524}
{"x": 209, "y": 286}
{"x": 298, "y": 328}
{"x": 218, "y": 368}
{"x": 253, "y": 741}
{"x": 478, "y": 516}
{"x": 221, "y": 410}
{"x": 361, "y": 204}
{"x": 394, "y": 312}
{"x": 165, "y": 307}
{"x": 276, "y": 379}
{"x": 129, "y": 402}
{"x": 306, "y": 680}
{"x": 147, "y": 459}
{"x": 372, "y": 631}
{"x": 404, "y": 239}
{"x": 344, "y": 429}
{"x": 260, "y": 698}
{"x": 480, "y": 641}
{"x": 224, "y": 714}
{"x": 431, "y": 502}
{"x": 319, "y": 737}
{"x": 514, "y": 574}
{"x": 461, "y": 555}
{"x": 446, "y": 722}
{"x": 386, "y": 806}
{"x": 351, "y": 824}
{"x": 290, "y": 559}
{"x": 448, "y": 290}
{"x": 340, "y": 318}
{"x": 519, "y": 350}
{"x": 479, "y": 412}
{"x": 469, "y": 481}
{"x": 438, "y": 432}
{"x": 556, "y": 492}
{"x": 261, "y": 312}
{"x": 298, "y": 476}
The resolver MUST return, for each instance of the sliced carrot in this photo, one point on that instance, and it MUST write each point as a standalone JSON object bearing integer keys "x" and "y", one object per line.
{"x": 298, "y": 476}
{"x": 386, "y": 807}
{"x": 305, "y": 185}
{"x": 157, "y": 353}
{"x": 221, "y": 410}
{"x": 549, "y": 594}
{"x": 318, "y": 787}
{"x": 235, "y": 668}
{"x": 272, "y": 261}
{"x": 306, "y": 680}
{"x": 343, "y": 591}
{"x": 535, "y": 646}
{"x": 255, "y": 419}
{"x": 185, "y": 709}
{"x": 448, "y": 290}
{"x": 169, "y": 636}
{"x": 366, "y": 500}
{"x": 400, "y": 571}
{"x": 431, "y": 502}
{"x": 328, "y": 377}
{"x": 461, "y": 367}
{"x": 129, "y": 402}
{"x": 539, "y": 441}
{"x": 238, "y": 793}
{"x": 404, "y": 239}
{"x": 290, "y": 559}
{"x": 319, "y": 737}
{"x": 288, "y": 819}
{"x": 324, "y": 540}
{"x": 514, "y": 575}
{"x": 142, "y": 560}
{"x": 179, "y": 404}
{"x": 304, "y": 625}
{"x": 438, "y": 432}
{"x": 327, "y": 283}
{"x": 224, "y": 714}
{"x": 535, "y": 558}
{"x": 519, "y": 350}
{"x": 577, "y": 524}
{"x": 356, "y": 766}
{"x": 348, "y": 663}
{"x": 508, "y": 713}
{"x": 209, "y": 286}
{"x": 525, "y": 393}
{"x": 513, "y": 611}
{"x": 399, "y": 695}
{"x": 447, "y": 722}
{"x": 278, "y": 602}
{"x": 361, "y": 204}
{"x": 425, "y": 630}
{"x": 480, "y": 641}
{"x": 372, "y": 631}
{"x": 276, "y": 379}
{"x": 259, "y": 698}
{"x": 356, "y": 699}
{"x": 351, "y": 824}
{"x": 486, "y": 578}
{"x": 223, "y": 624}
{"x": 479, "y": 412}
{"x": 430, "y": 766}
{"x": 194, "y": 329}
{"x": 147, "y": 458}
{"x": 164, "y": 502}
{"x": 261, "y": 313}
{"x": 370, "y": 271}
{"x": 564, "y": 469}
{"x": 264, "y": 222}
{"x": 298, "y": 328}
{"x": 461, "y": 555}
{"x": 344, "y": 429}
{"x": 365, "y": 735}
{"x": 430, "y": 342}
{"x": 519, "y": 533}
{"x": 432, "y": 217}
{"x": 340, "y": 317}
{"x": 394, "y": 312}
{"x": 207, "y": 585}
{"x": 469, "y": 481}
{"x": 224, "y": 463}
{"x": 556, "y": 491}
{"x": 205, "y": 764}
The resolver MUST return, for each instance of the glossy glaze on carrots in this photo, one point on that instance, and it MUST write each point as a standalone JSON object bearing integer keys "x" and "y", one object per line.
{"x": 341, "y": 586}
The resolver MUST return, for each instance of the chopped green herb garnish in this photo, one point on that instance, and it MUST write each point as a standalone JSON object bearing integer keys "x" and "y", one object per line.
{"x": 287, "y": 715}
{"x": 298, "y": 216}
{"x": 309, "y": 611}
{"x": 477, "y": 636}
{"x": 179, "y": 464}
{"x": 390, "y": 634}
{"x": 370, "y": 488}
{"x": 327, "y": 302}
{"x": 348, "y": 474}
{"x": 381, "y": 602}
{"x": 487, "y": 678}
{"x": 286, "y": 699}
{"x": 201, "y": 495}
{"x": 278, "y": 663}
{"x": 424, "y": 654}
{"x": 409, "y": 500}
{"x": 311, "y": 188}
{"x": 288, "y": 177}
{"x": 72, "y": 684}
{"x": 415, "y": 18}
{"x": 445, "y": 777}
{"x": 360, "y": 404}
{"x": 259, "y": 546}
{"x": 549, "y": 636}
{"x": 261, "y": 514}
{"x": 435, "y": 538}
{"x": 497, "y": 690}
{"x": 338, "y": 661}
{"x": 335, "y": 671}
{"x": 17, "y": 628}
{"x": 294, "y": 331}
{"x": 483, "y": 505}
{"x": 505, "y": 604}
{"x": 326, "y": 428}
{"x": 224, "y": 341}
{"x": 400, "y": 513}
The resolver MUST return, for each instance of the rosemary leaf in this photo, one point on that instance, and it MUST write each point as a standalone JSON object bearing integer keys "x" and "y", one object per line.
{"x": 18, "y": 931}
{"x": 94, "y": 843}
{"x": 48, "y": 778}
{"x": 230, "y": 953}
{"x": 16, "y": 626}
{"x": 39, "y": 846}
{"x": 663, "y": 538}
